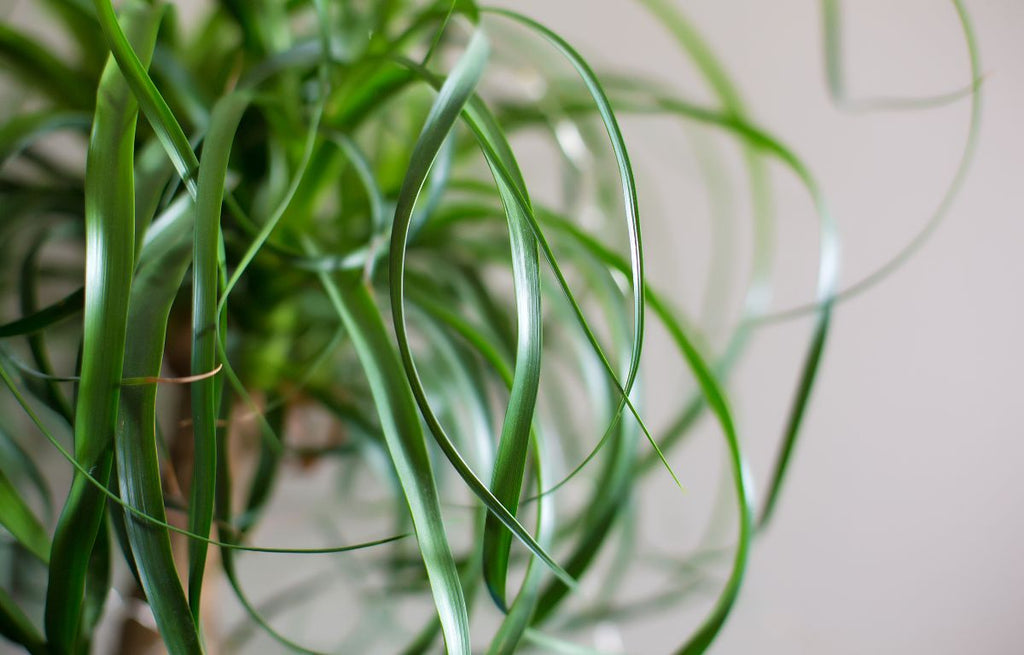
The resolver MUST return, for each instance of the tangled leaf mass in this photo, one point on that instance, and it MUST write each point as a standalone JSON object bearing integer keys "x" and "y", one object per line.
{"x": 309, "y": 208}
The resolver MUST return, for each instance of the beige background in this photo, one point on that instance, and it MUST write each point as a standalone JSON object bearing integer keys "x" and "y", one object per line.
{"x": 900, "y": 526}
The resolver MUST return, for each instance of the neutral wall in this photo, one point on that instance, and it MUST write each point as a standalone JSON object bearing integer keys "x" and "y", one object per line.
{"x": 901, "y": 522}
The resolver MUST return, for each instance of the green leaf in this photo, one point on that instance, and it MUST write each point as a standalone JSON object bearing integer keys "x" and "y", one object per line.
{"x": 28, "y": 283}
{"x": 9, "y": 382}
{"x": 935, "y": 220}
{"x": 162, "y": 265}
{"x": 110, "y": 240}
{"x": 80, "y": 19}
{"x": 205, "y": 329}
{"x": 451, "y": 99}
{"x": 513, "y": 444}
{"x": 631, "y": 214}
{"x": 831, "y": 13}
{"x": 36, "y": 66}
{"x": 16, "y": 462}
{"x": 150, "y": 101}
{"x": 21, "y": 131}
{"x": 396, "y": 408}
{"x": 18, "y": 628}
{"x": 17, "y": 517}
{"x": 60, "y": 310}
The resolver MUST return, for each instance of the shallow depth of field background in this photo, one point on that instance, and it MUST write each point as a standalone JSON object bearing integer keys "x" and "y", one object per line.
{"x": 900, "y": 526}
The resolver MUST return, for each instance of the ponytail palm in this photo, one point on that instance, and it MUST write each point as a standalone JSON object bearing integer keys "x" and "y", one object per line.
{"x": 314, "y": 208}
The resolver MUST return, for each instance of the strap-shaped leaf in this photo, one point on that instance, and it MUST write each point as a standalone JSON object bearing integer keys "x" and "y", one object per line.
{"x": 452, "y": 98}
{"x": 17, "y": 517}
{"x": 206, "y": 283}
{"x": 396, "y": 408}
{"x": 64, "y": 308}
{"x": 110, "y": 250}
{"x": 18, "y": 628}
{"x": 38, "y": 67}
{"x": 162, "y": 265}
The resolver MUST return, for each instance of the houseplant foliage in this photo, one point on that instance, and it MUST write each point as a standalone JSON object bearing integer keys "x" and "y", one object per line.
{"x": 312, "y": 206}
